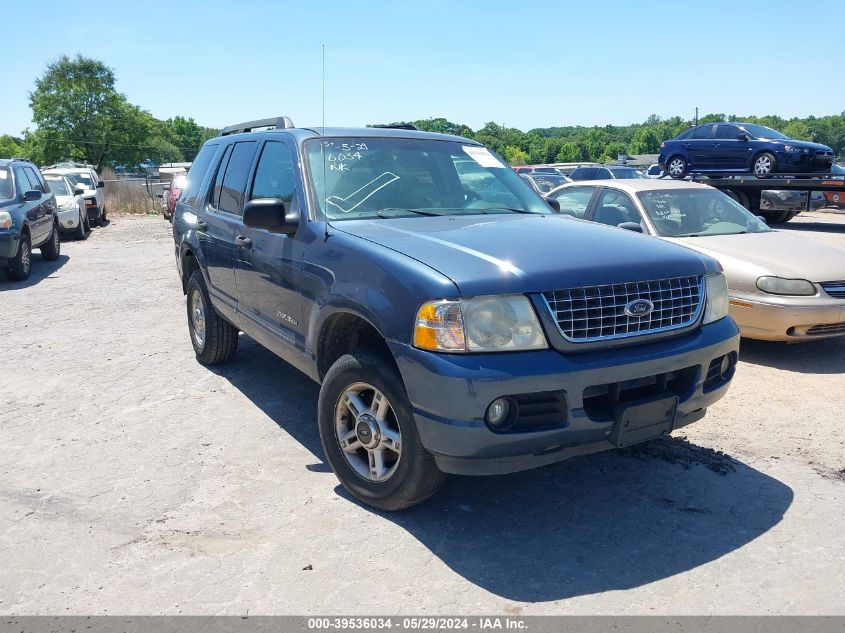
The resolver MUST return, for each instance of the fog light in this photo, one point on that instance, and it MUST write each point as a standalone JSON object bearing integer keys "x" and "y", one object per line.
{"x": 498, "y": 413}
{"x": 726, "y": 366}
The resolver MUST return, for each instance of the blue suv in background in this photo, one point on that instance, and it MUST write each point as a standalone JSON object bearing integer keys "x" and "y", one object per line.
{"x": 717, "y": 148}
{"x": 456, "y": 324}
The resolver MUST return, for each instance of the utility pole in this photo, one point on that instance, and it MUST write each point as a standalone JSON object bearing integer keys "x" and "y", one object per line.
{"x": 696, "y": 115}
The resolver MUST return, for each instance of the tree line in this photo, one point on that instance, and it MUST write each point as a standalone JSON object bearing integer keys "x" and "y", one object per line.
{"x": 80, "y": 115}
{"x": 603, "y": 144}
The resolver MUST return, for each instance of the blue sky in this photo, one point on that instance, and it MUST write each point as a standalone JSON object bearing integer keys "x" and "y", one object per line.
{"x": 524, "y": 65}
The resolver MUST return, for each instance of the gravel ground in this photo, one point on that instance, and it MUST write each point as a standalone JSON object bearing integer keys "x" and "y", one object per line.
{"x": 135, "y": 481}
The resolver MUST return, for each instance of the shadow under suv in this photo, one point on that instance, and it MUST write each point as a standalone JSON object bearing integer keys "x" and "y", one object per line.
{"x": 455, "y": 323}
{"x": 717, "y": 148}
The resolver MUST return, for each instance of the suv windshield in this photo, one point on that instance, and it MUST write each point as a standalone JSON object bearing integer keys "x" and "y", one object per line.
{"x": 761, "y": 131}
{"x": 82, "y": 179}
{"x": 5, "y": 184}
{"x": 354, "y": 178}
{"x": 58, "y": 186}
{"x": 694, "y": 212}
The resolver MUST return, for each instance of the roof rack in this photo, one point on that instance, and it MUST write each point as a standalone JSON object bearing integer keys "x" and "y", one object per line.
{"x": 398, "y": 126}
{"x": 276, "y": 123}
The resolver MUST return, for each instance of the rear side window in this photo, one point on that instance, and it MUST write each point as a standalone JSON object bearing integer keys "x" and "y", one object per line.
{"x": 274, "y": 174}
{"x": 702, "y": 131}
{"x": 36, "y": 180}
{"x": 603, "y": 174}
{"x": 23, "y": 181}
{"x": 234, "y": 182}
{"x": 218, "y": 177}
{"x": 197, "y": 174}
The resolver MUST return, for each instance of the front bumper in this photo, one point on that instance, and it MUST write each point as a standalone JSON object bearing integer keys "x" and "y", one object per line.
{"x": 9, "y": 240}
{"x": 69, "y": 220}
{"x": 788, "y": 318}
{"x": 809, "y": 162}
{"x": 450, "y": 394}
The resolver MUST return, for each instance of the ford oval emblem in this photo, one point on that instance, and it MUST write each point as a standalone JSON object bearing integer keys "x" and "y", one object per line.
{"x": 639, "y": 308}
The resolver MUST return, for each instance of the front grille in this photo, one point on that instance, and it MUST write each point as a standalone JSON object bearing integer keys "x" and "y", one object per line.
{"x": 593, "y": 313}
{"x": 834, "y": 288}
{"x": 830, "y": 328}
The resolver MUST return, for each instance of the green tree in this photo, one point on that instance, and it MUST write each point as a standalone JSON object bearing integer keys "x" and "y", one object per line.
{"x": 10, "y": 147}
{"x": 515, "y": 155}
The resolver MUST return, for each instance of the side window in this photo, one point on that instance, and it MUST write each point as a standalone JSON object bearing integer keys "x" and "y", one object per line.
{"x": 727, "y": 132}
{"x": 22, "y": 182}
{"x": 603, "y": 174}
{"x": 36, "y": 180}
{"x": 702, "y": 132}
{"x": 274, "y": 174}
{"x": 218, "y": 177}
{"x": 584, "y": 173}
{"x": 614, "y": 208}
{"x": 197, "y": 174}
{"x": 574, "y": 200}
{"x": 234, "y": 182}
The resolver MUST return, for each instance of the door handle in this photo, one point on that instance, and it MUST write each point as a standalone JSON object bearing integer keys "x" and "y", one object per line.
{"x": 243, "y": 242}
{"x": 201, "y": 225}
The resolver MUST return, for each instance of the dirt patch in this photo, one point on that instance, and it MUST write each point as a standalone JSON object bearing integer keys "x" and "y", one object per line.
{"x": 678, "y": 450}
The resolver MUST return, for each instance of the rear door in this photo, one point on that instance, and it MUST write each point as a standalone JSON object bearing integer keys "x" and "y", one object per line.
{"x": 700, "y": 146}
{"x": 223, "y": 218}
{"x": 267, "y": 265}
{"x": 728, "y": 150}
{"x": 34, "y": 210}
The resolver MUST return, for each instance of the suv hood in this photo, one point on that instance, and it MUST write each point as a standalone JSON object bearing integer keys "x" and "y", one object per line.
{"x": 497, "y": 254}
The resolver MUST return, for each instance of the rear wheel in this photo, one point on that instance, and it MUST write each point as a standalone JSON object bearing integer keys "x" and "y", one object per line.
{"x": 677, "y": 167}
{"x": 214, "y": 339}
{"x": 53, "y": 247}
{"x": 740, "y": 196}
{"x": 103, "y": 221}
{"x": 764, "y": 165}
{"x": 20, "y": 265}
{"x": 369, "y": 434}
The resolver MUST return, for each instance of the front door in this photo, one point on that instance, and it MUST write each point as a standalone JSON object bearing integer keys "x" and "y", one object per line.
{"x": 267, "y": 265}
{"x": 728, "y": 150}
{"x": 223, "y": 220}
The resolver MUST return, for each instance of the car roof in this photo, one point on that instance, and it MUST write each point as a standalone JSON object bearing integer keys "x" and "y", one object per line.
{"x": 67, "y": 170}
{"x": 635, "y": 185}
{"x": 304, "y": 133}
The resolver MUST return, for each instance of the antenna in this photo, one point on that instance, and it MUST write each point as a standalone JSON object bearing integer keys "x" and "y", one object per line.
{"x": 323, "y": 152}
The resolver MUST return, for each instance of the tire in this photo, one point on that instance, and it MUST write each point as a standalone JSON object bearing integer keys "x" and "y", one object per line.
{"x": 739, "y": 196}
{"x": 677, "y": 167}
{"x": 775, "y": 217}
{"x": 87, "y": 222}
{"x": 81, "y": 233}
{"x": 790, "y": 215}
{"x": 19, "y": 267}
{"x": 764, "y": 165}
{"x": 102, "y": 221}
{"x": 408, "y": 475}
{"x": 52, "y": 248}
{"x": 214, "y": 339}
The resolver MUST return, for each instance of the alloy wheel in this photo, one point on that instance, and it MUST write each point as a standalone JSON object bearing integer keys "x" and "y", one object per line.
{"x": 197, "y": 318}
{"x": 368, "y": 432}
{"x": 26, "y": 256}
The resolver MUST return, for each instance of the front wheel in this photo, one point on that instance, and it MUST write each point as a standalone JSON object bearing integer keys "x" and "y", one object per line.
{"x": 81, "y": 233}
{"x": 764, "y": 164}
{"x": 20, "y": 265}
{"x": 369, "y": 435}
{"x": 214, "y": 339}
{"x": 677, "y": 167}
{"x": 53, "y": 248}
{"x": 103, "y": 221}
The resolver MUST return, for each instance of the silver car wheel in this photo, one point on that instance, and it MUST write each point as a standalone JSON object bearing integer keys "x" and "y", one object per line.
{"x": 26, "y": 256}
{"x": 763, "y": 166}
{"x": 197, "y": 318}
{"x": 368, "y": 432}
{"x": 676, "y": 167}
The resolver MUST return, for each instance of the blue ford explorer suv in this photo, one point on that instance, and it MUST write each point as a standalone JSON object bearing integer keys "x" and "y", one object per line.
{"x": 741, "y": 148}
{"x": 455, "y": 323}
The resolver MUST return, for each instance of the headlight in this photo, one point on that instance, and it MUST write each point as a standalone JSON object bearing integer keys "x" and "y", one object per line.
{"x": 482, "y": 324}
{"x": 67, "y": 206}
{"x": 791, "y": 148}
{"x": 5, "y": 220}
{"x": 716, "y": 293}
{"x": 780, "y": 286}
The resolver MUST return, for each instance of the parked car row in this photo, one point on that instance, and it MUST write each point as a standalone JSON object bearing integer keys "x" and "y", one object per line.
{"x": 37, "y": 206}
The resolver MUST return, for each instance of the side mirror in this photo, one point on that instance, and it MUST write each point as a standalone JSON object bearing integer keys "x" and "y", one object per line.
{"x": 762, "y": 219}
{"x": 31, "y": 196}
{"x": 742, "y": 137}
{"x": 636, "y": 227}
{"x": 553, "y": 203}
{"x": 272, "y": 215}
{"x": 78, "y": 191}
{"x": 101, "y": 184}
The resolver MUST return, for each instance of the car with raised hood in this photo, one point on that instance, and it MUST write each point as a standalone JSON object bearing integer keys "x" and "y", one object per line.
{"x": 782, "y": 286}
{"x": 725, "y": 148}
{"x": 27, "y": 218}
{"x": 73, "y": 216}
{"x": 455, "y": 323}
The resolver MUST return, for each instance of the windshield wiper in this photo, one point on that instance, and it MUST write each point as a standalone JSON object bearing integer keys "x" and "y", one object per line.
{"x": 381, "y": 212}
{"x": 511, "y": 209}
